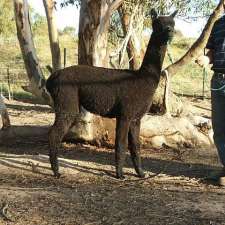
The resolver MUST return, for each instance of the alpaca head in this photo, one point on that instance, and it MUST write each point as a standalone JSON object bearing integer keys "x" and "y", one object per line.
{"x": 163, "y": 27}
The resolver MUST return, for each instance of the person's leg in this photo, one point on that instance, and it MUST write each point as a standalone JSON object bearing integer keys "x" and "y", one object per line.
{"x": 218, "y": 123}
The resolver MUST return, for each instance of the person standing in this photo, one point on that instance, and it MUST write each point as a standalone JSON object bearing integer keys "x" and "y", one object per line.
{"x": 216, "y": 56}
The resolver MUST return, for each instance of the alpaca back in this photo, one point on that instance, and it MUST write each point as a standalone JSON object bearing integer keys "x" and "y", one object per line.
{"x": 86, "y": 74}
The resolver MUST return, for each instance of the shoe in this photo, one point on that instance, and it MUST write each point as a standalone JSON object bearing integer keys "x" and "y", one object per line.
{"x": 216, "y": 177}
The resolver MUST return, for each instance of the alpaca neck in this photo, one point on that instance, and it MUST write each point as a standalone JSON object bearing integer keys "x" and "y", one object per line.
{"x": 154, "y": 55}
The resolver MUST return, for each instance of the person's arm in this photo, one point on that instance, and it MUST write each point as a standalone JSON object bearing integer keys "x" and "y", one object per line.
{"x": 206, "y": 59}
{"x": 210, "y": 54}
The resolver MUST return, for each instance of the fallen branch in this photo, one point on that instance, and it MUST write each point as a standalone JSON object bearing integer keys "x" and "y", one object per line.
{"x": 3, "y": 212}
{"x": 34, "y": 167}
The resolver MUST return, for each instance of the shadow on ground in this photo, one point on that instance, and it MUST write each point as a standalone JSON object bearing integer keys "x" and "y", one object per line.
{"x": 87, "y": 193}
{"x": 36, "y": 145}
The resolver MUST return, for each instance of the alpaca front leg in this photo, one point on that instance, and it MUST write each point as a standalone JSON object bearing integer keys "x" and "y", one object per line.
{"x": 122, "y": 127}
{"x": 54, "y": 161}
{"x": 134, "y": 146}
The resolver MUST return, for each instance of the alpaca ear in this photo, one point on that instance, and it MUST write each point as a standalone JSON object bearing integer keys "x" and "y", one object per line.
{"x": 174, "y": 13}
{"x": 154, "y": 14}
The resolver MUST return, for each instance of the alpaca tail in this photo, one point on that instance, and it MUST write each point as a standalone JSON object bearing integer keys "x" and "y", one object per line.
{"x": 51, "y": 83}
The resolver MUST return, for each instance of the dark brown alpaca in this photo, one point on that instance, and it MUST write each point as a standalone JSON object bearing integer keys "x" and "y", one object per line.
{"x": 122, "y": 94}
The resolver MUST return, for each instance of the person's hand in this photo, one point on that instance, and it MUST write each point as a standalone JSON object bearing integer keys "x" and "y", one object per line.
{"x": 203, "y": 61}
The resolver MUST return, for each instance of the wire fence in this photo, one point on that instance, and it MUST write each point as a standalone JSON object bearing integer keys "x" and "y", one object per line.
{"x": 13, "y": 78}
{"x": 198, "y": 87}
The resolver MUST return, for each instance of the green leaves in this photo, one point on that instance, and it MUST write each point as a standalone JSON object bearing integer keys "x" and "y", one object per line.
{"x": 7, "y": 25}
{"x": 64, "y": 3}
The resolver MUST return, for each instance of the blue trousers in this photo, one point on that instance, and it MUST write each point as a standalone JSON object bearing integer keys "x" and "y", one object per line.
{"x": 218, "y": 114}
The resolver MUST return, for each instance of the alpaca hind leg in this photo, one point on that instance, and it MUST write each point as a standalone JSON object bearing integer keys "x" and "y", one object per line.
{"x": 122, "y": 127}
{"x": 134, "y": 146}
{"x": 57, "y": 132}
{"x": 66, "y": 104}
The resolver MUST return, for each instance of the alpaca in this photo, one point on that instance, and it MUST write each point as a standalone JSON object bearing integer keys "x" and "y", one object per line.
{"x": 114, "y": 93}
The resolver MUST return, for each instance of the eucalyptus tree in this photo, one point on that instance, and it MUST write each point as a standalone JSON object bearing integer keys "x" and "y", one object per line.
{"x": 25, "y": 37}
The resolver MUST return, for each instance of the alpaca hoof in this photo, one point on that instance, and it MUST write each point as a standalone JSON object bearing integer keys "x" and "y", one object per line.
{"x": 57, "y": 175}
{"x": 120, "y": 176}
{"x": 141, "y": 174}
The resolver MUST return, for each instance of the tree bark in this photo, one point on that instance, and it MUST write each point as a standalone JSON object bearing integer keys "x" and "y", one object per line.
{"x": 24, "y": 34}
{"x": 93, "y": 31}
{"x": 53, "y": 34}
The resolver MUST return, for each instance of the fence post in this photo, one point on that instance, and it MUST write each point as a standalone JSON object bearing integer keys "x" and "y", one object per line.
{"x": 64, "y": 62}
{"x": 203, "y": 83}
{"x": 9, "y": 85}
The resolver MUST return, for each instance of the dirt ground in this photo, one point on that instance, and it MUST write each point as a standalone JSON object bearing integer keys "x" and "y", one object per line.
{"x": 173, "y": 193}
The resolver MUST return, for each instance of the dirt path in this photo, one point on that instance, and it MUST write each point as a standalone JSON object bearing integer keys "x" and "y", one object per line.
{"x": 88, "y": 193}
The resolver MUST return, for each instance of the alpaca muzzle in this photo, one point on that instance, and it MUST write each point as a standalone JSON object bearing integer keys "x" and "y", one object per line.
{"x": 170, "y": 33}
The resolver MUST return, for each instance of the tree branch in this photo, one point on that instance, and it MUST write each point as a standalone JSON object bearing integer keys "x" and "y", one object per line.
{"x": 129, "y": 33}
{"x": 124, "y": 43}
{"x": 199, "y": 44}
{"x": 115, "y": 5}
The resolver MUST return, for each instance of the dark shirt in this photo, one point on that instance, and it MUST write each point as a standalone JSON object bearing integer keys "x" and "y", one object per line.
{"x": 216, "y": 42}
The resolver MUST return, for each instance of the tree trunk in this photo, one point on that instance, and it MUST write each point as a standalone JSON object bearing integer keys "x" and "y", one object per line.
{"x": 92, "y": 48}
{"x": 53, "y": 34}
{"x": 24, "y": 34}
{"x": 93, "y": 33}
